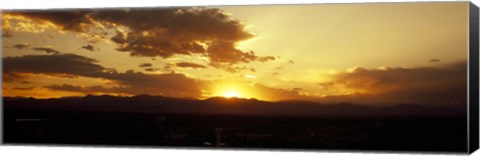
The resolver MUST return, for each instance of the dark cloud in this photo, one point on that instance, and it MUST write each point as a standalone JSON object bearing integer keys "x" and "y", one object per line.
{"x": 48, "y": 50}
{"x": 168, "y": 68}
{"x": 23, "y": 88}
{"x": 224, "y": 53}
{"x": 21, "y": 46}
{"x": 71, "y": 65}
{"x": 13, "y": 77}
{"x": 56, "y": 64}
{"x": 65, "y": 20}
{"x": 189, "y": 65}
{"x": 291, "y": 61}
{"x": 6, "y": 34}
{"x": 88, "y": 47}
{"x": 145, "y": 65}
{"x": 152, "y": 69}
{"x": 265, "y": 59}
{"x": 423, "y": 85}
{"x": 434, "y": 60}
{"x": 163, "y": 32}
{"x": 68, "y": 87}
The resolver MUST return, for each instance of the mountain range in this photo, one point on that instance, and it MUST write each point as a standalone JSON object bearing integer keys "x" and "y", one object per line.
{"x": 221, "y": 106}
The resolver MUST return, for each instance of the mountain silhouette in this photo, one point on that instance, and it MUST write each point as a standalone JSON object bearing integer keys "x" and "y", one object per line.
{"x": 220, "y": 106}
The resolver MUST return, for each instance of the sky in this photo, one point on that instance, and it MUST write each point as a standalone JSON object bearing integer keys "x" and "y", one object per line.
{"x": 372, "y": 53}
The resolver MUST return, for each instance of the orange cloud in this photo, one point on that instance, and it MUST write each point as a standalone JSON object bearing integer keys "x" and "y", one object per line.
{"x": 189, "y": 65}
{"x": 422, "y": 85}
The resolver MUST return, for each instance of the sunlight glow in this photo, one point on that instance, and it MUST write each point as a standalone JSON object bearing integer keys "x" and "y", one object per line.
{"x": 231, "y": 94}
{"x": 232, "y": 89}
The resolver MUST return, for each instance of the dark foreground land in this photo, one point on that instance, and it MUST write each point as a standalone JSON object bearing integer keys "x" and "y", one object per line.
{"x": 412, "y": 133}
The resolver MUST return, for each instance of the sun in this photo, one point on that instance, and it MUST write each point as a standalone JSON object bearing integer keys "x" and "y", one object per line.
{"x": 231, "y": 94}
{"x": 230, "y": 89}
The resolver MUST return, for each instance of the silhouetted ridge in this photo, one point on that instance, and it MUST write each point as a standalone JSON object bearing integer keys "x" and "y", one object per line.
{"x": 219, "y": 105}
{"x": 101, "y": 97}
{"x": 225, "y": 100}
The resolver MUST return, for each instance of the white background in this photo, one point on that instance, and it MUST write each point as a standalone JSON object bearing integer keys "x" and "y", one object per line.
{"x": 82, "y": 151}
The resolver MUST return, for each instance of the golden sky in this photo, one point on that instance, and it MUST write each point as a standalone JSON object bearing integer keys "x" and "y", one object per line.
{"x": 363, "y": 53}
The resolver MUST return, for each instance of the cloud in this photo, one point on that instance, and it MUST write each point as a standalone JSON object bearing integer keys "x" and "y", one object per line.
{"x": 23, "y": 88}
{"x": 297, "y": 89}
{"x": 145, "y": 65}
{"x": 71, "y": 65}
{"x": 152, "y": 69}
{"x": 422, "y": 85}
{"x": 56, "y": 64}
{"x": 88, "y": 47}
{"x": 64, "y": 20}
{"x": 21, "y": 46}
{"x": 6, "y": 34}
{"x": 434, "y": 60}
{"x": 168, "y": 68}
{"x": 189, "y": 65}
{"x": 224, "y": 53}
{"x": 135, "y": 83}
{"x": 88, "y": 89}
{"x": 278, "y": 94}
{"x": 48, "y": 50}
{"x": 186, "y": 31}
{"x": 330, "y": 86}
{"x": 161, "y": 32}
